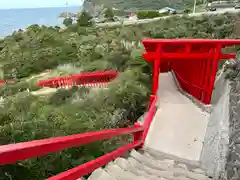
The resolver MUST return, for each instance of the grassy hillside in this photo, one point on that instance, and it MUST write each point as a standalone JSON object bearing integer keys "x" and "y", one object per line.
{"x": 146, "y": 5}
{"x": 25, "y": 117}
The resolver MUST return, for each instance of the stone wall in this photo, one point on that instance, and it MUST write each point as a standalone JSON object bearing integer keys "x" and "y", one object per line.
{"x": 233, "y": 160}
{"x": 221, "y": 151}
{"x": 215, "y": 147}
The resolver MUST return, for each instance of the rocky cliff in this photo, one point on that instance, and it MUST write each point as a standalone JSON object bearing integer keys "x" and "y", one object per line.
{"x": 93, "y": 8}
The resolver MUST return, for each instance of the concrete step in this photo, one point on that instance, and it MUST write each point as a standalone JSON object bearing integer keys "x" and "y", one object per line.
{"x": 120, "y": 174}
{"x": 181, "y": 178}
{"x": 165, "y": 164}
{"x": 168, "y": 167}
{"x": 128, "y": 166}
{"x": 142, "y": 166}
{"x": 189, "y": 168}
{"x": 151, "y": 171}
{"x": 158, "y": 155}
{"x": 101, "y": 174}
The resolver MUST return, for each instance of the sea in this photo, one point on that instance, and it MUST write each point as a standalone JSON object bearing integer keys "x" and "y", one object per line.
{"x": 14, "y": 19}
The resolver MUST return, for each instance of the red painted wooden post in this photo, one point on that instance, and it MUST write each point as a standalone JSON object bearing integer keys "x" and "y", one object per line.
{"x": 201, "y": 77}
{"x": 214, "y": 71}
{"x": 69, "y": 81}
{"x": 65, "y": 82}
{"x": 207, "y": 75}
{"x": 188, "y": 48}
{"x": 137, "y": 135}
{"x": 156, "y": 71}
{"x": 149, "y": 117}
{"x": 195, "y": 74}
{"x": 188, "y": 71}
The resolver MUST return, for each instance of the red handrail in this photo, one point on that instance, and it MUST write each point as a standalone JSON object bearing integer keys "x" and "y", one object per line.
{"x": 90, "y": 166}
{"x": 149, "y": 116}
{"x": 21, "y": 151}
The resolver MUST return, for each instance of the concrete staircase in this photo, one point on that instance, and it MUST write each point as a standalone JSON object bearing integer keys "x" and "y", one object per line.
{"x": 173, "y": 146}
{"x": 140, "y": 165}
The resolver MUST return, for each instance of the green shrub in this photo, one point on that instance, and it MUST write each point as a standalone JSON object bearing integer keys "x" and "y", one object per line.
{"x": 57, "y": 28}
{"x": 187, "y": 11}
{"x": 109, "y": 14}
{"x": 148, "y": 14}
{"x": 12, "y": 89}
{"x": 73, "y": 28}
{"x": 233, "y": 70}
{"x": 34, "y": 28}
{"x": 67, "y": 22}
{"x": 63, "y": 95}
{"x": 30, "y": 118}
{"x": 84, "y": 20}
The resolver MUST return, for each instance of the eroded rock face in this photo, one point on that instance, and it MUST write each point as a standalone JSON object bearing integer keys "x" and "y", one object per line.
{"x": 95, "y": 9}
{"x": 92, "y": 8}
{"x": 89, "y": 7}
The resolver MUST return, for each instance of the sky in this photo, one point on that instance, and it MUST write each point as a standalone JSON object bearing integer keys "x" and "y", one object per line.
{"x": 8, "y": 4}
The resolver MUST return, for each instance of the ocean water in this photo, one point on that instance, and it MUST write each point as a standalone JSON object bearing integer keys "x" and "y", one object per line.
{"x": 14, "y": 19}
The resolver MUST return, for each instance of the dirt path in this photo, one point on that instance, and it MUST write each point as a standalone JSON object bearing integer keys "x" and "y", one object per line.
{"x": 44, "y": 91}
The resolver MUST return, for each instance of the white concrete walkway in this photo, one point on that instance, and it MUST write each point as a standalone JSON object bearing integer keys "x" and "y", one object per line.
{"x": 179, "y": 126}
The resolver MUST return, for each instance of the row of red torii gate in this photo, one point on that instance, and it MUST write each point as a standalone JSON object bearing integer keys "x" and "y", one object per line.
{"x": 193, "y": 61}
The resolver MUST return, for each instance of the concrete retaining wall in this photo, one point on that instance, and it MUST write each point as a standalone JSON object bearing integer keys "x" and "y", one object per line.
{"x": 221, "y": 151}
{"x": 215, "y": 148}
{"x": 233, "y": 160}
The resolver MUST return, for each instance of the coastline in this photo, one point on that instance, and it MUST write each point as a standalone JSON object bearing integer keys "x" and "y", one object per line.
{"x": 14, "y": 19}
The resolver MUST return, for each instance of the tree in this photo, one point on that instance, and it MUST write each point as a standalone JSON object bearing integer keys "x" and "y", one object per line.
{"x": 67, "y": 22}
{"x": 1, "y": 72}
{"x": 109, "y": 14}
{"x": 35, "y": 28}
{"x": 84, "y": 19}
{"x": 187, "y": 11}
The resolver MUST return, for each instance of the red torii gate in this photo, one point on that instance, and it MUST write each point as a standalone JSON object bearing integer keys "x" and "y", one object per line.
{"x": 194, "y": 62}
